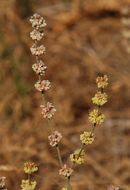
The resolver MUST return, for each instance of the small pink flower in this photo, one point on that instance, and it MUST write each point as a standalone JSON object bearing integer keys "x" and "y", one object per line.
{"x": 65, "y": 171}
{"x": 43, "y": 85}
{"x": 39, "y": 68}
{"x": 55, "y": 138}
{"x": 37, "y": 50}
{"x": 48, "y": 110}
{"x": 37, "y": 21}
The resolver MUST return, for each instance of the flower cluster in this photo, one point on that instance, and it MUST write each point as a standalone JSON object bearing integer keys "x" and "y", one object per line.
{"x": 36, "y": 35}
{"x": 48, "y": 111}
{"x": 3, "y": 183}
{"x": 43, "y": 85}
{"x": 55, "y": 138}
{"x": 102, "y": 82}
{"x": 78, "y": 156}
{"x": 95, "y": 117}
{"x": 87, "y": 138}
{"x": 38, "y": 23}
{"x": 30, "y": 167}
{"x": 27, "y": 185}
{"x": 37, "y": 50}
{"x": 100, "y": 98}
{"x": 66, "y": 171}
{"x": 39, "y": 68}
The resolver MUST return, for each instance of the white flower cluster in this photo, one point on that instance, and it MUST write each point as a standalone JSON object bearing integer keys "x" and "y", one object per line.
{"x": 37, "y": 50}
{"x": 38, "y": 24}
{"x": 55, "y": 138}
{"x": 39, "y": 68}
{"x": 37, "y": 21}
{"x": 36, "y": 35}
{"x": 43, "y": 86}
{"x": 48, "y": 110}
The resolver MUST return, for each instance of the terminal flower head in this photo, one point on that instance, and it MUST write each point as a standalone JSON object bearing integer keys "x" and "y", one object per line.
{"x": 95, "y": 117}
{"x": 102, "y": 81}
{"x": 37, "y": 21}
{"x": 55, "y": 138}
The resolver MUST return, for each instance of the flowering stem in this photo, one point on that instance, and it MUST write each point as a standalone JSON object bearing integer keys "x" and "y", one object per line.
{"x": 29, "y": 178}
{"x": 81, "y": 149}
{"x": 92, "y": 130}
{"x": 59, "y": 156}
{"x": 68, "y": 185}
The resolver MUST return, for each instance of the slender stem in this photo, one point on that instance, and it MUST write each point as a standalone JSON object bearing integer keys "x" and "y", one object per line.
{"x": 92, "y": 130}
{"x": 68, "y": 184}
{"x": 29, "y": 178}
{"x": 59, "y": 156}
{"x": 81, "y": 149}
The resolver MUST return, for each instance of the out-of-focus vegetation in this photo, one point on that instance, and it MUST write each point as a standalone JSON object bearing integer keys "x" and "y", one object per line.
{"x": 83, "y": 39}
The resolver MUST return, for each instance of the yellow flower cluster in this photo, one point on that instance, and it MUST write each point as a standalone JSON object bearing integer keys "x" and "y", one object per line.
{"x": 30, "y": 167}
{"x": 64, "y": 188}
{"x": 95, "y": 117}
{"x": 102, "y": 81}
{"x": 28, "y": 185}
{"x": 78, "y": 156}
{"x": 87, "y": 138}
{"x": 100, "y": 98}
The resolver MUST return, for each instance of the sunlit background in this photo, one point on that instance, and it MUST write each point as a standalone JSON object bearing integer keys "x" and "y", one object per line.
{"x": 83, "y": 38}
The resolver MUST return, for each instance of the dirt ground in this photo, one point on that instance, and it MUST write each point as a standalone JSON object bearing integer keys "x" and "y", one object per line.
{"x": 83, "y": 39}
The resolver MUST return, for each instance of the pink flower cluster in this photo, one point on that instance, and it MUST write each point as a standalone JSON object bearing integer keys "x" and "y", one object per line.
{"x": 48, "y": 110}
{"x": 39, "y": 68}
{"x": 55, "y": 138}
{"x": 38, "y": 23}
{"x": 43, "y": 85}
{"x": 66, "y": 171}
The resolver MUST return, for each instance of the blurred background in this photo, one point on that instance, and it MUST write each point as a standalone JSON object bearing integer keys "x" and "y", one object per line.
{"x": 83, "y": 38}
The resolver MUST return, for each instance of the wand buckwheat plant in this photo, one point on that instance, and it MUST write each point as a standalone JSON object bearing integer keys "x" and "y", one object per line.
{"x": 96, "y": 117}
{"x": 29, "y": 169}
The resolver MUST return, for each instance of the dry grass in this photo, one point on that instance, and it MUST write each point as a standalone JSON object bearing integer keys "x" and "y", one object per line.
{"x": 80, "y": 44}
